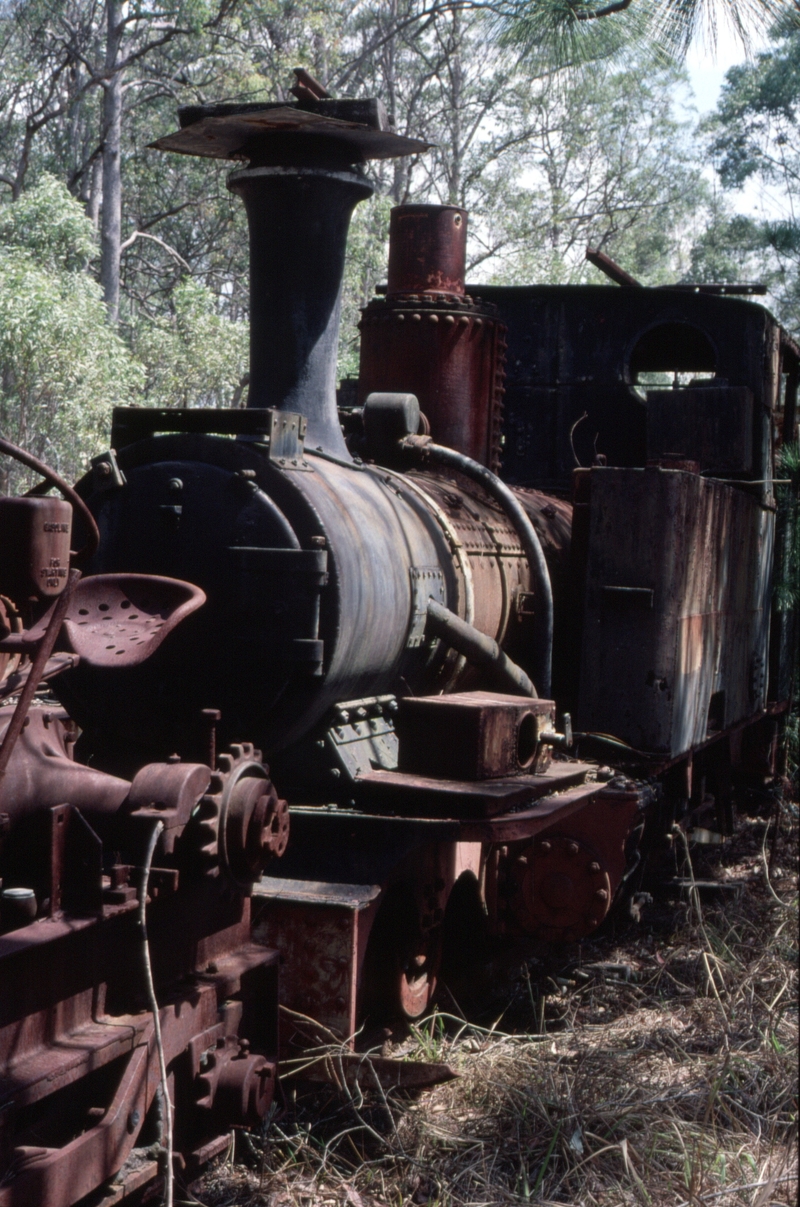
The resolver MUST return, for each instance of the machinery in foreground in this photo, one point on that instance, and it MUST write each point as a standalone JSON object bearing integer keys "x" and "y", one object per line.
{"x": 132, "y": 994}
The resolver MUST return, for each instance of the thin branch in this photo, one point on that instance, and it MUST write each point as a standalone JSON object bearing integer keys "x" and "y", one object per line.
{"x": 129, "y": 242}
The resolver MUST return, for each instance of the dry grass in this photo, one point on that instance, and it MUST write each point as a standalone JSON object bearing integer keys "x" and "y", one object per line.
{"x": 677, "y": 1087}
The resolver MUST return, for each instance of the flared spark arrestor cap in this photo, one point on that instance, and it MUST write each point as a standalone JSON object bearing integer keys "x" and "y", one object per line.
{"x": 427, "y": 250}
{"x": 320, "y": 130}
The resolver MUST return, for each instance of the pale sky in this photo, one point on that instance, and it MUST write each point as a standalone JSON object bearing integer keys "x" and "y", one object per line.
{"x": 706, "y": 68}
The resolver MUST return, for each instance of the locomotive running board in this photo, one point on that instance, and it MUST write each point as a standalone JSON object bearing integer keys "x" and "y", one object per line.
{"x": 426, "y": 796}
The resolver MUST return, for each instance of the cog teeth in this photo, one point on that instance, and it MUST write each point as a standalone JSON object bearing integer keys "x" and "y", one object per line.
{"x": 247, "y": 749}
{"x": 207, "y": 808}
{"x": 236, "y": 749}
{"x": 259, "y": 757}
{"x": 225, "y": 762}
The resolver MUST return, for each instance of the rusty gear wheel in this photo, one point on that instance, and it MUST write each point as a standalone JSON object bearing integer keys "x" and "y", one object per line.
{"x": 241, "y": 820}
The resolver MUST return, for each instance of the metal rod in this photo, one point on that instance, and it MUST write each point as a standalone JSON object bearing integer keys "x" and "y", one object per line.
{"x": 153, "y": 1004}
{"x": 612, "y": 270}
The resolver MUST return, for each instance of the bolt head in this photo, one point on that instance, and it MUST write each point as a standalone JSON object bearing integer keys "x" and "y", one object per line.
{"x": 594, "y": 867}
{"x": 601, "y": 895}
{"x": 572, "y": 848}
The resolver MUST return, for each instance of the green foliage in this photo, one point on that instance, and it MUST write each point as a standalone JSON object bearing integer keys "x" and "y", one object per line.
{"x": 755, "y": 136}
{"x": 727, "y": 249}
{"x": 196, "y": 357}
{"x": 50, "y": 226}
{"x": 581, "y": 31}
{"x": 606, "y": 163}
{"x": 365, "y": 267}
{"x": 754, "y": 131}
{"x": 570, "y": 32}
{"x": 61, "y": 368}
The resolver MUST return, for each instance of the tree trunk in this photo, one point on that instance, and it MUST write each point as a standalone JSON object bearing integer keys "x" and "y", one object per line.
{"x": 456, "y": 102}
{"x": 95, "y": 192}
{"x": 111, "y": 226}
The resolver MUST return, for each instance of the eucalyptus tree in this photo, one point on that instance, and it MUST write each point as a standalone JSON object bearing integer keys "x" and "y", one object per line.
{"x": 61, "y": 367}
{"x": 754, "y": 139}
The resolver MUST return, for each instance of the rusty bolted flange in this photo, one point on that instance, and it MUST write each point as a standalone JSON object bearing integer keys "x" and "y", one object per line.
{"x": 234, "y": 1083}
{"x": 559, "y": 889}
{"x": 241, "y": 819}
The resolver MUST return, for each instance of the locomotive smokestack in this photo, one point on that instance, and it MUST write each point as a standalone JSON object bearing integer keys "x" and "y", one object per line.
{"x": 302, "y": 183}
{"x": 298, "y": 220}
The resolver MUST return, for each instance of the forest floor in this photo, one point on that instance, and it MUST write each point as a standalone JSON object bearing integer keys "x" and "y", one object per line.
{"x": 658, "y": 1067}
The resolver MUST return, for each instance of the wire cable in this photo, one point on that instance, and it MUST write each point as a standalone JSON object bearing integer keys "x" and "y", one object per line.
{"x": 153, "y": 1003}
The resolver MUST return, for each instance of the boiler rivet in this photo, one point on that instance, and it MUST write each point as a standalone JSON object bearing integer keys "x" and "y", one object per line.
{"x": 572, "y": 848}
{"x": 544, "y": 847}
{"x": 594, "y": 867}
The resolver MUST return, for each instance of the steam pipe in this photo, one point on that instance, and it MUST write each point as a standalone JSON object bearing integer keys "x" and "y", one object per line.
{"x": 477, "y": 648}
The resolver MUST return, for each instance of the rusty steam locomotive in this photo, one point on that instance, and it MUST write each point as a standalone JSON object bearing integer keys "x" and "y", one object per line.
{"x": 403, "y": 632}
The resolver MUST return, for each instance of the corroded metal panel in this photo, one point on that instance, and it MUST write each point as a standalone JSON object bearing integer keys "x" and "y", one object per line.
{"x": 318, "y": 941}
{"x": 676, "y": 616}
{"x": 580, "y": 348}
